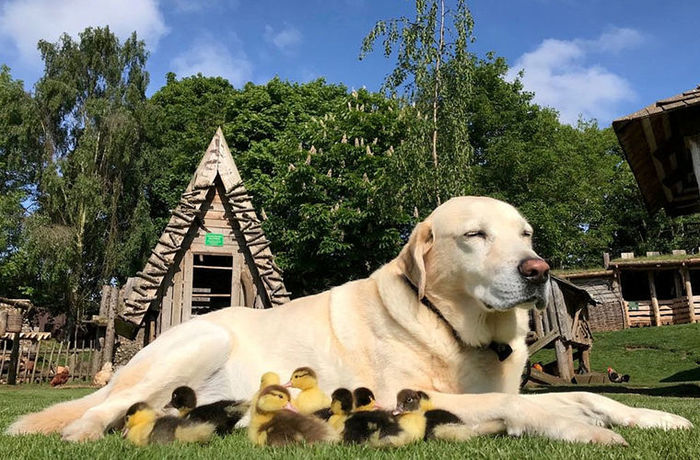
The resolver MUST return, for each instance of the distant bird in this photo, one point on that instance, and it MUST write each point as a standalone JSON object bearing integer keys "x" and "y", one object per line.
{"x": 222, "y": 414}
{"x": 142, "y": 426}
{"x": 104, "y": 375}
{"x": 538, "y": 367}
{"x": 61, "y": 377}
{"x": 617, "y": 378}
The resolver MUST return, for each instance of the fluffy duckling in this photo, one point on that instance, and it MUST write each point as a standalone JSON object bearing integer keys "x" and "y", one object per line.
{"x": 142, "y": 426}
{"x": 311, "y": 398}
{"x": 439, "y": 423}
{"x": 274, "y": 421}
{"x": 364, "y": 400}
{"x": 222, "y": 414}
{"x": 341, "y": 408}
{"x": 367, "y": 420}
{"x": 267, "y": 379}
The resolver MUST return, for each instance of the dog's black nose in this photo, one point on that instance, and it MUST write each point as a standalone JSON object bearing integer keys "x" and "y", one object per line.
{"x": 535, "y": 270}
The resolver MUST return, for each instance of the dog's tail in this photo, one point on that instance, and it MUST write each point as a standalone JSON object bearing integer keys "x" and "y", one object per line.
{"x": 54, "y": 418}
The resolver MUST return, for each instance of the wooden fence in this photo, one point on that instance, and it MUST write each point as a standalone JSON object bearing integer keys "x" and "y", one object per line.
{"x": 38, "y": 359}
{"x": 672, "y": 311}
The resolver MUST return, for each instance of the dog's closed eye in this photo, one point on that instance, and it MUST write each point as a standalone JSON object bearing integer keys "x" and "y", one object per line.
{"x": 476, "y": 233}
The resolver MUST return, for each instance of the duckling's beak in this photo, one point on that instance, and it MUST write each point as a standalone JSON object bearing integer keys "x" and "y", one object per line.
{"x": 289, "y": 406}
{"x": 288, "y": 384}
{"x": 378, "y": 406}
{"x": 169, "y": 405}
{"x": 396, "y": 412}
{"x": 125, "y": 431}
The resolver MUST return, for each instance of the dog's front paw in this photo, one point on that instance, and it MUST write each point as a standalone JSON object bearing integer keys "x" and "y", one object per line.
{"x": 84, "y": 429}
{"x": 649, "y": 418}
{"x": 591, "y": 434}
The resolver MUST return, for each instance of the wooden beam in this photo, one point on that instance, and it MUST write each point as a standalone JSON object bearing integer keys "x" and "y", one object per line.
{"x": 654, "y": 299}
{"x": 108, "y": 350}
{"x": 541, "y": 343}
{"x": 685, "y": 273}
{"x": 565, "y": 360}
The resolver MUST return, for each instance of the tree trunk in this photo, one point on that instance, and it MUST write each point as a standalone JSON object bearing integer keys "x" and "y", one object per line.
{"x": 441, "y": 46}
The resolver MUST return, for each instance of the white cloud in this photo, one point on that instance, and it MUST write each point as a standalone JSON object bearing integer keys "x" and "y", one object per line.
{"x": 562, "y": 76}
{"x": 24, "y": 22}
{"x": 284, "y": 40}
{"x": 211, "y": 58}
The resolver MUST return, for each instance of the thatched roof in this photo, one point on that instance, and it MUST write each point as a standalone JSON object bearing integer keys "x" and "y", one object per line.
{"x": 657, "y": 142}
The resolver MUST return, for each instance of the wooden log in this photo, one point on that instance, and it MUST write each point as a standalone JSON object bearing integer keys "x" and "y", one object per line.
{"x": 180, "y": 230}
{"x": 14, "y": 361}
{"x": 2, "y": 360}
{"x": 154, "y": 272}
{"x": 242, "y": 210}
{"x": 160, "y": 257}
{"x": 251, "y": 241}
{"x": 654, "y": 299}
{"x": 689, "y": 293}
{"x": 261, "y": 249}
{"x": 565, "y": 360}
{"x": 72, "y": 370}
{"x": 147, "y": 277}
{"x": 541, "y": 342}
{"x": 158, "y": 264}
{"x": 134, "y": 305}
{"x": 234, "y": 187}
{"x": 58, "y": 356}
{"x": 174, "y": 242}
{"x": 103, "y": 300}
{"x": 259, "y": 243}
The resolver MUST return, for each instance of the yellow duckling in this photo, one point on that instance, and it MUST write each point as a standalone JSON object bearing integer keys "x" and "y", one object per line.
{"x": 274, "y": 421}
{"x": 142, "y": 426}
{"x": 267, "y": 379}
{"x": 311, "y": 398}
{"x": 341, "y": 407}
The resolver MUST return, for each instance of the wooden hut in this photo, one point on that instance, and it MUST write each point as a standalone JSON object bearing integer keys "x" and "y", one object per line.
{"x": 658, "y": 289}
{"x": 603, "y": 285}
{"x": 212, "y": 254}
{"x": 662, "y": 145}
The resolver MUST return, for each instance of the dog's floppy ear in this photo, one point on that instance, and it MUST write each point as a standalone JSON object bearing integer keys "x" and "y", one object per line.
{"x": 412, "y": 256}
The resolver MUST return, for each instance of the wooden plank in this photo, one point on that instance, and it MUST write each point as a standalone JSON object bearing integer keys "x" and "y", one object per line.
{"x": 176, "y": 315}
{"x": 14, "y": 361}
{"x": 42, "y": 374}
{"x": 2, "y": 360}
{"x": 187, "y": 287}
{"x": 543, "y": 377}
{"x": 36, "y": 359}
{"x": 166, "y": 310}
{"x": 542, "y": 342}
{"x": 236, "y": 286}
{"x": 654, "y": 300}
{"x": 108, "y": 351}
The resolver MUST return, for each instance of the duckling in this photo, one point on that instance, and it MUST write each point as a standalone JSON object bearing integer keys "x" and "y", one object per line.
{"x": 367, "y": 420}
{"x": 267, "y": 379}
{"x": 222, "y": 414}
{"x": 364, "y": 400}
{"x": 274, "y": 421}
{"x": 341, "y": 407}
{"x": 142, "y": 426}
{"x": 311, "y": 398}
{"x": 440, "y": 423}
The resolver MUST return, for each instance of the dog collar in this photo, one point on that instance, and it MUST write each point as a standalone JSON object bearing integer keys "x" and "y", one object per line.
{"x": 503, "y": 350}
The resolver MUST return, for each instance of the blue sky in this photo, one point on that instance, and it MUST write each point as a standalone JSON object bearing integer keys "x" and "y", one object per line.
{"x": 601, "y": 59}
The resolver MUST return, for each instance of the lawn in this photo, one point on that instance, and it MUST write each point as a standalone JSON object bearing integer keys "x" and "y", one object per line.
{"x": 659, "y": 357}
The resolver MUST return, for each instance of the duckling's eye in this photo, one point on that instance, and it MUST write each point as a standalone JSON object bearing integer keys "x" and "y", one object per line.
{"x": 476, "y": 233}
{"x": 409, "y": 400}
{"x": 279, "y": 396}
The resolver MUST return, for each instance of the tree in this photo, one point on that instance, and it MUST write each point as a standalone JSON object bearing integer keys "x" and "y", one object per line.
{"x": 422, "y": 46}
{"x": 89, "y": 105}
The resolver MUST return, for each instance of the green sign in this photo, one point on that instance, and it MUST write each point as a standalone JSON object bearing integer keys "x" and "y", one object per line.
{"x": 214, "y": 239}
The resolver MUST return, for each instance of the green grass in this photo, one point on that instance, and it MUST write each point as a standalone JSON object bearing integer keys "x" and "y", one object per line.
{"x": 651, "y": 356}
{"x": 656, "y": 357}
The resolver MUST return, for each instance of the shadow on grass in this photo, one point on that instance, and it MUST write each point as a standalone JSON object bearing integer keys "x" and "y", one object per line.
{"x": 686, "y": 390}
{"x": 684, "y": 376}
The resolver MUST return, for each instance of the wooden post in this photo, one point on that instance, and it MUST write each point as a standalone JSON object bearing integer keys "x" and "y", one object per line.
{"x": 43, "y": 363}
{"x": 565, "y": 360}
{"x": 586, "y": 359}
{"x": 36, "y": 359}
{"x": 3, "y": 322}
{"x": 2, "y": 360}
{"x": 685, "y": 273}
{"x": 654, "y": 300}
{"x": 108, "y": 351}
{"x": 14, "y": 360}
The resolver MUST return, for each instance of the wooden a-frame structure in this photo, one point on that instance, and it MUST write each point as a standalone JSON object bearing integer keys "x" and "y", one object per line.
{"x": 213, "y": 253}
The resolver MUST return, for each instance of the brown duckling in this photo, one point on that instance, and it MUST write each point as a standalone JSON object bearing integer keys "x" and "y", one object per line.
{"x": 142, "y": 426}
{"x": 222, "y": 414}
{"x": 274, "y": 421}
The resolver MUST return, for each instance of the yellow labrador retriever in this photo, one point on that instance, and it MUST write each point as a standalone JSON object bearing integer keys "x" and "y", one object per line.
{"x": 447, "y": 316}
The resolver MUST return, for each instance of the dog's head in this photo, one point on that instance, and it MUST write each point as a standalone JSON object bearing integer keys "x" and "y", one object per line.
{"x": 478, "y": 248}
